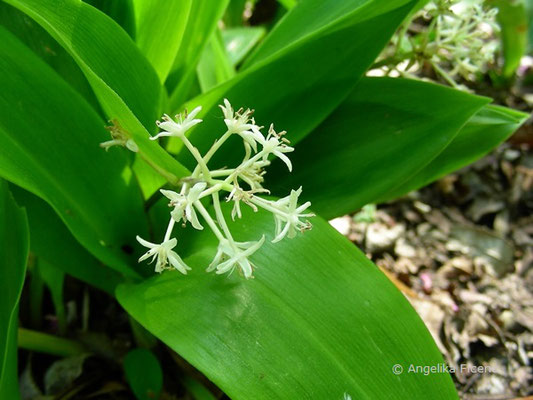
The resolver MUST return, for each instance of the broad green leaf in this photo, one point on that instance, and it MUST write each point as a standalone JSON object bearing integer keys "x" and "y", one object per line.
{"x": 483, "y": 132}
{"x": 240, "y": 41}
{"x": 512, "y": 17}
{"x": 160, "y": 28}
{"x": 14, "y": 243}
{"x": 318, "y": 321}
{"x": 214, "y": 66}
{"x": 380, "y": 136}
{"x": 123, "y": 80}
{"x": 297, "y": 87}
{"x": 52, "y": 242}
{"x": 143, "y": 373}
{"x": 44, "y": 45}
{"x": 202, "y": 22}
{"x": 317, "y": 17}
{"x": 121, "y": 11}
{"x": 148, "y": 179}
{"x": 50, "y": 141}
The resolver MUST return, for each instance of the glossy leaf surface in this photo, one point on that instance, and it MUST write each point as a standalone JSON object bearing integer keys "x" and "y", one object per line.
{"x": 284, "y": 90}
{"x": 50, "y": 147}
{"x": 381, "y": 135}
{"x": 318, "y": 321}
{"x": 123, "y": 80}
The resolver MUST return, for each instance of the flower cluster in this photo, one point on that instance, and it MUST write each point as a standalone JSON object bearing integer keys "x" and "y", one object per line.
{"x": 242, "y": 184}
{"x": 455, "y": 38}
{"x": 463, "y": 36}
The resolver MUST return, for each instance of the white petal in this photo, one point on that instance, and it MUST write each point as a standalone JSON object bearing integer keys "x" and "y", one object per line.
{"x": 146, "y": 243}
{"x": 160, "y": 134}
{"x": 171, "y": 195}
{"x": 283, "y": 158}
{"x": 193, "y": 113}
{"x": 193, "y": 218}
{"x": 177, "y": 262}
{"x": 132, "y": 146}
{"x": 282, "y": 234}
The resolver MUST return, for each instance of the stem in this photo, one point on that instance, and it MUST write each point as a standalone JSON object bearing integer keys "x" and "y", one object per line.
{"x": 199, "y": 159}
{"x": 169, "y": 229}
{"x": 258, "y": 201}
{"x": 211, "y": 152}
{"x": 200, "y": 207}
{"x": 216, "y": 146}
{"x": 220, "y": 217}
{"x": 49, "y": 344}
{"x": 221, "y": 172}
{"x": 444, "y": 74}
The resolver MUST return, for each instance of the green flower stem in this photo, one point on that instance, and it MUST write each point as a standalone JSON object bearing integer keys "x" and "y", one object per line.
{"x": 200, "y": 207}
{"x": 49, "y": 344}
{"x": 220, "y": 217}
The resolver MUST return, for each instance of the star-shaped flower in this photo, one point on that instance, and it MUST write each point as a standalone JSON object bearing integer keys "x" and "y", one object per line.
{"x": 177, "y": 128}
{"x": 288, "y": 220}
{"x": 241, "y": 123}
{"x": 235, "y": 254}
{"x": 164, "y": 254}
{"x": 184, "y": 204}
{"x": 277, "y": 145}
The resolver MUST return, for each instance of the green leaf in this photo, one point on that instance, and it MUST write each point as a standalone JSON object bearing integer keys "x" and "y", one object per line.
{"x": 483, "y": 132}
{"x": 44, "y": 45}
{"x": 234, "y": 15}
{"x": 143, "y": 373}
{"x": 298, "y": 86}
{"x": 123, "y": 80}
{"x": 215, "y": 66}
{"x": 120, "y": 10}
{"x": 317, "y": 18}
{"x": 288, "y": 4}
{"x": 50, "y": 146}
{"x": 380, "y": 136}
{"x": 202, "y": 22}
{"x": 318, "y": 321}
{"x": 160, "y": 28}
{"x": 14, "y": 242}
{"x": 240, "y": 41}
{"x": 512, "y": 17}
{"x": 52, "y": 242}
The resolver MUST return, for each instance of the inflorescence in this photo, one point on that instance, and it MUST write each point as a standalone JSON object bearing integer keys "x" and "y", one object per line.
{"x": 242, "y": 184}
{"x": 456, "y": 38}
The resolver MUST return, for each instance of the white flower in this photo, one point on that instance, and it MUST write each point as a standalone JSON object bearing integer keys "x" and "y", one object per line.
{"x": 241, "y": 123}
{"x": 277, "y": 145}
{"x": 184, "y": 205}
{"x": 288, "y": 220}
{"x": 235, "y": 254}
{"x": 164, "y": 254}
{"x": 173, "y": 128}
